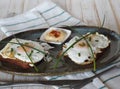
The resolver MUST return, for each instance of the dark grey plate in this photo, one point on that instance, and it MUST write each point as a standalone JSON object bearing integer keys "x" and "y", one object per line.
{"x": 65, "y": 67}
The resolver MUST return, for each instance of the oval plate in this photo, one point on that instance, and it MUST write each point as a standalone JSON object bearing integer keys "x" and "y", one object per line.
{"x": 46, "y": 69}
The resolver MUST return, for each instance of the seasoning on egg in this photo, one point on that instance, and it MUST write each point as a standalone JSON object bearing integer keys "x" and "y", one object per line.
{"x": 55, "y": 35}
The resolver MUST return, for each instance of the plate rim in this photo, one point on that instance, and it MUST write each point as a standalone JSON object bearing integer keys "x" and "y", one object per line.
{"x": 53, "y": 74}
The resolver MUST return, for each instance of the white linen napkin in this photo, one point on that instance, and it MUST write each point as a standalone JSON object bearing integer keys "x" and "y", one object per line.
{"x": 45, "y": 15}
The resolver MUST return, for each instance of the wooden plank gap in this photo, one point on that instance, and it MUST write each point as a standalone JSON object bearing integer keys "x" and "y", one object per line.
{"x": 68, "y": 5}
{"x": 117, "y": 20}
{"x": 98, "y": 18}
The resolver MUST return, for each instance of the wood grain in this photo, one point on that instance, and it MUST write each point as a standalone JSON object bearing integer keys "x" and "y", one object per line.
{"x": 90, "y": 11}
{"x": 104, "y": 9}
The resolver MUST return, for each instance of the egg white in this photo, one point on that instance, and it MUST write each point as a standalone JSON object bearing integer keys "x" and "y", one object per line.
{"x": 19, "y": 55}
{"x": 81, "y": 52}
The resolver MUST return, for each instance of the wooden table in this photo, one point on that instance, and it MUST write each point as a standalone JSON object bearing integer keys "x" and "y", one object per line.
{"x": 91, "y": 12}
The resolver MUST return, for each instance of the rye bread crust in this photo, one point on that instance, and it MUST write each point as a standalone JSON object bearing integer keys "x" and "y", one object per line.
{"x": 16, "y": 62}
{"x": 66, "y": 58}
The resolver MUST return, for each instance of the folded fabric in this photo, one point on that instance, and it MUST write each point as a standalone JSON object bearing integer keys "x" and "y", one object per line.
{"x": 108, "y": 79}
{"x": 46, "y": 15}
{"x": 96, "y": 84}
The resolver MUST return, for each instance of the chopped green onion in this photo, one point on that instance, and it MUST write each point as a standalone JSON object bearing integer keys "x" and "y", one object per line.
{"x": 36, "y": 69}
{"x": 11, "y": 50}
{"x": 21, "y": 44}
{"x": 57, "y": 62}
{"x": 18, "y": 54}
{"x": 94, "y": 62}
{"x": 79, "y": 54}
{"x": 89, "y": 38}
{"x": 96, "y": 40}
{"x": 26, "y": 46}
{"x": 30, "y": 53}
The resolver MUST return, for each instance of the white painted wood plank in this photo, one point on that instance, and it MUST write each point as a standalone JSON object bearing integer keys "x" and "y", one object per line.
{"x": 115, "y": 7}
{"x": 104, "y": 8}
{"x": 75, "y": 8}
{"x": 61, "y": 3}
{"x": 91, "y": 11}
{"x": 4, "y": 7}
{"x": 89, "y": 14}
{"x": 16, "y": 6}
{"x": 29, "y": 4}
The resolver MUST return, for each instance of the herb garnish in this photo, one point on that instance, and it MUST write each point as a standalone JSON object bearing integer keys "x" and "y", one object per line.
{"x": 57, "y": 62}
{"x": 18, "y": 54}
{"x": 21, "y": 44}
{"x": 36, "y": 69}
{"x": 96, "y": 40}
{"x": 30, "y": 53}
{"x": 11, "y": 50}
{"x": 94, "y": 62}
{"x": 79, "y": 54}
{"x": 26, "y": 46}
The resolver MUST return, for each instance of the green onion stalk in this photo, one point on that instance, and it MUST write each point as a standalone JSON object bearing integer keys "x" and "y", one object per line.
{"x": 57, "y": 62}
{"x": 36, "y": 69}
{"x": 29, "y": 47}
{"x": 94, "y": 62}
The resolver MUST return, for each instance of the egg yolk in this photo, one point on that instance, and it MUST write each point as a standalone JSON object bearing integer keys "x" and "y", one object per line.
{"x": 81, "y": 44}
{"x": 55, "y": 33}
{"x": 25, "y": 47}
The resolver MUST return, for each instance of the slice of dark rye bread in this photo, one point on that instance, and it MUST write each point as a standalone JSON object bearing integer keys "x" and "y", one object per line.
{"x": 7, "y": 54}
{"x": 97, "y": 53}
{"x": 16, "y": 62}
{"x": 86, "y": 62}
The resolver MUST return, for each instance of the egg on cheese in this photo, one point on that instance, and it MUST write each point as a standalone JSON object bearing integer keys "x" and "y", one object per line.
{"x": 80, "y": 53}
{"x": 13, "y": 50}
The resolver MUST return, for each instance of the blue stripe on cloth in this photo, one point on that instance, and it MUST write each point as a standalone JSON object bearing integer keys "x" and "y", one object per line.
{"x": 102, "y": 87}
{"x": 78, "y": 23}
{"x": 55, "y": 15}
{"x": 38, "y": 25}
{"x": 49, "y": 9}
{"x": 53, "y": 78}
{"x": 34, "y": 19}
{"x": 109, "y": 80}
{"x": 25, "y": 28}
{"x": 62, "y": 21}
{"x": 22, "y": 22}
{"x": 42, "y": 23}
{"x": 30, "y": 19}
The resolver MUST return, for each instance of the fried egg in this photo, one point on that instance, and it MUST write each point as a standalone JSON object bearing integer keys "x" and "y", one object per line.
{"x": 13, "y": 50}
{"x": 80, "y": 53}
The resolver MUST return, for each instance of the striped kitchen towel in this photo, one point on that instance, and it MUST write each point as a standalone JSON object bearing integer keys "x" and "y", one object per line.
{"x": 47, "y": 14}
{"x": 109, "y": 80}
